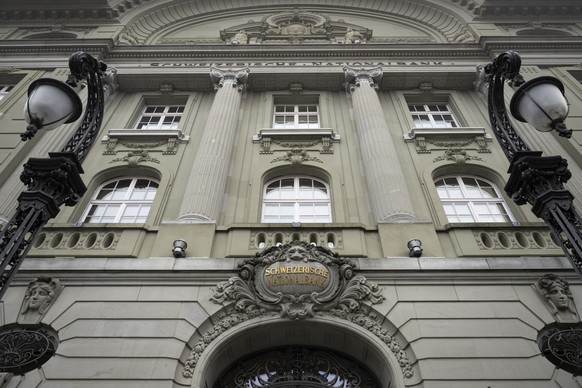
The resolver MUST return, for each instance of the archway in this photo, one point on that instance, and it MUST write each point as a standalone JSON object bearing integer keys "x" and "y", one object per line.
{"x": 324, "y": 333}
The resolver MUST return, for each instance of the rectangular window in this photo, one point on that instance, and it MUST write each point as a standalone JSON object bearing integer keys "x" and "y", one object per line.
{"x": 4, "y": 90}
{"x": 160, "y": 117}
{"x": 303, "y": 116}
{"x": 432, "y": 116}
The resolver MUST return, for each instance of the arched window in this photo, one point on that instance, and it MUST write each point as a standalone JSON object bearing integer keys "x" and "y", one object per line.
{"x": 471, "y": 199}
{"x": 296, "y": 199}
{"x": 122, "y": 200}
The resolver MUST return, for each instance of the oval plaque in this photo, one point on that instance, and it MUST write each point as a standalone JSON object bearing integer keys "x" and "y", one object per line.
{"x": 296, "y": 278}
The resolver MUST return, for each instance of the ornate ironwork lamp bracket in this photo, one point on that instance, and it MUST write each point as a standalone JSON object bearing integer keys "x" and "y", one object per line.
{"x": 535, "y": 179}
{"x": 54, "y": 181}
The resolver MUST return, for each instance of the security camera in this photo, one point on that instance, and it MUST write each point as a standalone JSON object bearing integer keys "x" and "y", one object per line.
{"x": 179, "y": 248}
{"x": 415, "y": 247}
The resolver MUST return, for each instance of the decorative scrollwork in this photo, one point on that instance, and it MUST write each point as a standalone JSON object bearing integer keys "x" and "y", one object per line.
{"x": 297, "y": 281}
{"x": 295, "y": 365}
{"x": 561, "y": 344}
{"x": 504, "y": 68}
{"x": 24, "y": 348}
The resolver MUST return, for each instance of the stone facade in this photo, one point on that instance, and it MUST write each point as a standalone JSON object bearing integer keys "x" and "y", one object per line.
{"x": 464, "y": 313}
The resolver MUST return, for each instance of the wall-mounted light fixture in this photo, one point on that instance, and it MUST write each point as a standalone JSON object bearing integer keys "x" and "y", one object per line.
{"x": 179, "y": 248}
{"x": 415, "y": 247}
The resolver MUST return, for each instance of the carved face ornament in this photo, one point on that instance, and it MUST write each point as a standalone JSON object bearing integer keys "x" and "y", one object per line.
{"x": 558, "y": 296}
{"x": 38, "y": 295}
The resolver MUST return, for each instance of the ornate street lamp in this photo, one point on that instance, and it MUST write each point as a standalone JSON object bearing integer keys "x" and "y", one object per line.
{"x": 536, "y": 179}
{"x": 54, "y": 181}
{"x": 539, "y": 180}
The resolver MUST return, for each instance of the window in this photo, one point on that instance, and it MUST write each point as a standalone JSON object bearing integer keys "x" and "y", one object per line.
{"x": 160, "y": 117}
{"x": 4, "y": 90}
{"x": 469, "y": 199}
{"x": 287, "y": 116}
{"x": 123, "y": 200}
{"x": 432, "y": 116}
{"x": 296, "y": 199}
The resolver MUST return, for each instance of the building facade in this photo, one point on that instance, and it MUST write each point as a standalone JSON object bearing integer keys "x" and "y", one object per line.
{"x": 332, "y": 171}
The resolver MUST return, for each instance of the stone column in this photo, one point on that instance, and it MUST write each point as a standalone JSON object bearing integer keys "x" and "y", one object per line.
{"x": 536, "y": 140}
{"x": 204, "y": 194}
{"x": 386, "y": 181}
{"x": 50, "y": 141}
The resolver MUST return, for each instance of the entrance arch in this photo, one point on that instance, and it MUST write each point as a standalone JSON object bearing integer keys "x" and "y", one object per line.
{"x": 326, "y": 333}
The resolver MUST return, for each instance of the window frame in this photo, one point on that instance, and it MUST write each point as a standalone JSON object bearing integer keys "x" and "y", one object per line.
{"x": 122, "y": 203}
{"x": 162, "y": 116}
{"x": 431, "y": 114}
{"x": 296, "y": 201}
{"x": 297, "y": 114}
{"x": 472, "y": 202}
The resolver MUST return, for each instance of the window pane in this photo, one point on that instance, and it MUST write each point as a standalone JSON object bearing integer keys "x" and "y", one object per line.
{"x": 295, "y": 196}
{"x": 114, "y": 197}
{"x": 482, "y": 203}
{"x": 421, "y": 121}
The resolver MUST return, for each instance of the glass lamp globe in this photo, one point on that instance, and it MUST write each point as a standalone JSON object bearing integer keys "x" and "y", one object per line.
{"x": 541, "y": 103}
{"x": 51, "y": 103}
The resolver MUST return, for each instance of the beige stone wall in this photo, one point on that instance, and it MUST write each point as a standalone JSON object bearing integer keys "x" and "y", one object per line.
{"x": 466, "y": 312}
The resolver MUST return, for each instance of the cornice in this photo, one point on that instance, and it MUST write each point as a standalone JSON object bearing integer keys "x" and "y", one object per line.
{"x": 105, "y": 49}
{"x": 30, "y": 12}
{"x": 515, "y": 10}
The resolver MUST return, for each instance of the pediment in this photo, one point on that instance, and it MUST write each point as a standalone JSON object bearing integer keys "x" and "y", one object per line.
{"x": 297, "y": 26}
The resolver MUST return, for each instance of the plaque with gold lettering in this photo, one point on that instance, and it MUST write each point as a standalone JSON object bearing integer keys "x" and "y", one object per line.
{"x": 297, "y": 279}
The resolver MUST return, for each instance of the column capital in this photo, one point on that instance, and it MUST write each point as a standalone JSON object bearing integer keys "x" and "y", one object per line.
{"x": 237, "y": 77}
{"x": 354, "y": 77}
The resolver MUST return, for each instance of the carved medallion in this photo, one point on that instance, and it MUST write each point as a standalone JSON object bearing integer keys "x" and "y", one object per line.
{"x": 297, "y": 279}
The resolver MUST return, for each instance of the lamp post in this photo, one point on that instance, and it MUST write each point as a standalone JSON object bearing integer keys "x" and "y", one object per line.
{"x": 54, "y": 181}
{"x": 536, "y": 179}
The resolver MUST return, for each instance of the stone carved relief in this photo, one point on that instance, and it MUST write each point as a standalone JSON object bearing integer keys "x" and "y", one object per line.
{"x": 295, "y": 26}
{"x": 425, "y": 145}
{"x": 38, "y": 298}
{"x": 171, "y": 148}
{"x": 555, "y": 291}
{"x": 134, "y": 158}
{"x": 457, "y": 155}
{"x": 236, "y": 77}
{"x": 355, "y": 77}
{"x": 296, "y": 157}
{"x": 298, "y": 281}
{"x": 267, "y": 142}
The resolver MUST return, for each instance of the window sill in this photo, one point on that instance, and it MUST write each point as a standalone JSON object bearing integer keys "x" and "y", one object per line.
{"x": 146, "y": 134}
{"x": 316, "y": 133}
{"x": 459, "y": 132}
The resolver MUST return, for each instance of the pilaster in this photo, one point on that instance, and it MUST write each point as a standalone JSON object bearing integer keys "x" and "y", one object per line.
{"x": 386, "y": 181}
{"x": 204, "y": 194}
